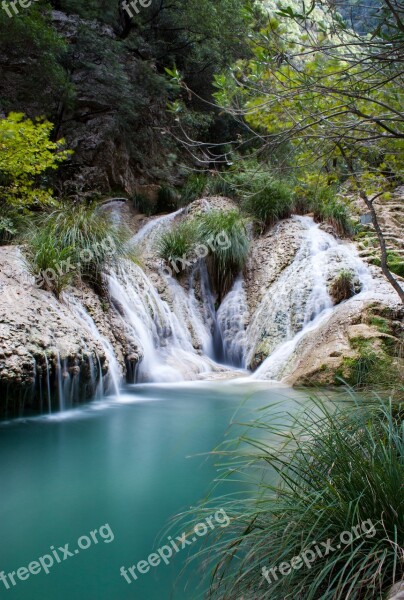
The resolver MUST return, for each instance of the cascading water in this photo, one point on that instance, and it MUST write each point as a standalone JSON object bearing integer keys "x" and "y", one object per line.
{"x": 180, "y": 338}
{"x": 165, "y": 340}
{"x": 299, "y": 301}
{"x": 112, "y": 384}
{"x": 232, "y": 323}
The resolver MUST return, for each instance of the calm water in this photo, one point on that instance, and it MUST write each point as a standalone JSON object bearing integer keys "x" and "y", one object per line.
{"x": 131, "y": 463}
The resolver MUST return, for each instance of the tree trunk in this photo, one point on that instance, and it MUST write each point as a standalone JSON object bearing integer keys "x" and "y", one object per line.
{"x": 382, "y": 243}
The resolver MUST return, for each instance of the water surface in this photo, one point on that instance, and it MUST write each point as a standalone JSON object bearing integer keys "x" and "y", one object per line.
{"x": 131, "y": 463}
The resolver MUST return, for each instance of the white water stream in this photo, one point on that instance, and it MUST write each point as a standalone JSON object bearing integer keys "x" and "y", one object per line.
{"x": 178, "y": 333}
{"x": 299, "y": 301}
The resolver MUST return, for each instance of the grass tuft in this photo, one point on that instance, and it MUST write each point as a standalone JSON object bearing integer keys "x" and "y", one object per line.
{"x": 225, "y": 235}
{"x": 338, "y": 468}
{"x": 177, "y": 243}
{"x": 343, "y": 286}
{"x": 74, "y": 241}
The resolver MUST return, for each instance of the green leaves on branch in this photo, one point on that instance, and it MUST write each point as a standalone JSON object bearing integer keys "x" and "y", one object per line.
{"x": 26, "y": 153}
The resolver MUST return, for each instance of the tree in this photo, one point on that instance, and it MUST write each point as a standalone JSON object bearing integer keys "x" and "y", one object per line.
{"x": 26, "y": 154}
{"x": 333, "y": 94}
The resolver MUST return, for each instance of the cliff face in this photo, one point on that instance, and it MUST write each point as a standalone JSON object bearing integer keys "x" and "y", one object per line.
{"x": 109, "y": 105}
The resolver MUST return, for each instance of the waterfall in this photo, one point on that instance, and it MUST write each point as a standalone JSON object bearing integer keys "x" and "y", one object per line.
{"x": 48, "y": 386}
{"x": 114, "y": 372}
{"x": 59, "y": 374}
{"x": 165, "y": 340}
{"x": 299, "y": 301}
{"x": 153, "y": 228}
{"x": 179, "y": 335}
{"x": 232, "y": 322}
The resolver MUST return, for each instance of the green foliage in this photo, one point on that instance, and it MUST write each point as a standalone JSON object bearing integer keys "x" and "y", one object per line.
{"x": 371, "y": 368}
{"x": 336, "y": 466}
{"x": 144, "y": 205}
{"x": 193, "y": 189}
{"x": 7, "y": 230}
{"x": 395, "y": 263}
{"x": 334, "y": 212}
{"x": 178, "y": 242}
{"x": 13, "y": 221}
{"x": 26, "y": 154}
{"x": 220, "y": 185}
{"x": 225, "y": 234}
{"x": 74, "y": 241}
{"x": 270, "y": 204}
{"x": 343, "y": 286}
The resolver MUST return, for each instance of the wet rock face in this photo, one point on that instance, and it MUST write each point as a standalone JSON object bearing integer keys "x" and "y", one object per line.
{"x": 43, "y": 345}
{"x": 296, "y": 273}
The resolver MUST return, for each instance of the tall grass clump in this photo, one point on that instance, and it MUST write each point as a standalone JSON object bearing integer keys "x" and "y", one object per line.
{"x": 334, "y": 212}
{"x": 177, "y": 243}
{"x": 193, "y": 189}
{"x": 225, "y": 235}
{"x": 144, "y": 204}
{"x": 167, "y": 199}
{"x": 269, "y": 204}
{"x": 74, "y": 240}
{"x": 343, "y": 286}
{"x": 220, "y": 184}
{"x": 339, "y": 477}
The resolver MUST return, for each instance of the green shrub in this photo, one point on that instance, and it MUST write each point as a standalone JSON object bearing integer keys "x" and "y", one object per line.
{"x": 74, "y": 240}
{"x": 335, "y": 213}
{"x": 220, "y": 185}
{"x": 193, "y": 189}
{"x": 8, "y": 230}
{"x": 372, "y": 367}
{"x": 270, "y": 204}
{"x": 177, "y": 243}
{"x": 333, "y": 476}
{"x": 225, "y": 235}
{"x": 343, "y": 286}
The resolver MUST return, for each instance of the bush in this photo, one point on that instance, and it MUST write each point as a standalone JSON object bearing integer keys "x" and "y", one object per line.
{"x": 193, "y": 189}
{"x": 74, "y": 240}
{"x": 264, "y": 197}
{"x": 177, "y": 243}
{"x": 343, "y": 287}
{"x": 225, "y": 234}
{"x": 373, "y": 367}
{"x": 273, "y": 202}
{"x": 220, "y": 185}
{"x": 337, "y": 470}
{"x": 336, "y": 214}
{"x": 7, "y": 230}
